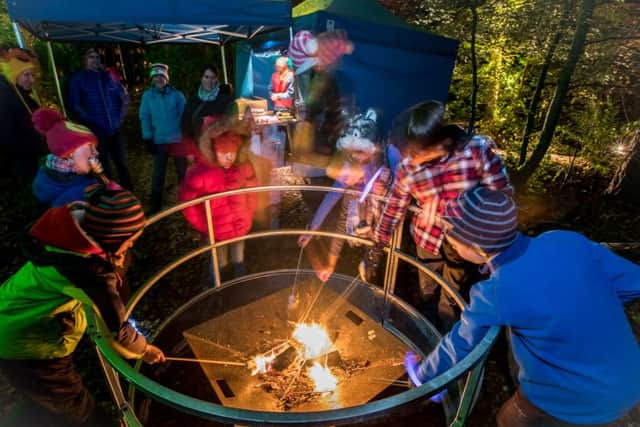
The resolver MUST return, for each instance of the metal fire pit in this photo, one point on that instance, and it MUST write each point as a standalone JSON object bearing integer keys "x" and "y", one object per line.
{"x": 264, "y": 323}
{"x": 234, "y": 322}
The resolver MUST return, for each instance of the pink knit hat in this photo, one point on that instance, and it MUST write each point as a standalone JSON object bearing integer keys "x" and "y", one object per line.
{"x": 332, "y": 45}
{"x": 63, "y": 137}
{"x": 303, "y": 50}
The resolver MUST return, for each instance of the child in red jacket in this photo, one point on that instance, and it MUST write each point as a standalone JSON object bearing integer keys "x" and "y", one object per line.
{"x": 221, "y": 167}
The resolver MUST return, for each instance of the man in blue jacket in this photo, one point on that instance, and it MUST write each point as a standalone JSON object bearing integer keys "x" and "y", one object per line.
{"x": 100, "y": 103}
{"x": 561, "y": 297}
{"x": 160, "y": 119}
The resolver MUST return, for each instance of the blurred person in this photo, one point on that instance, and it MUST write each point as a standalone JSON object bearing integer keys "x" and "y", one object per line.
{"x": 100, "y": 103}
{"x": 321, "y": 118}
{"x": 73, "y": 252}
{"x": 67, "y": 170}
{"x": 442, "y": 161}
{"x": 221, "y": 167}
{"x": 362, "y": 157}
{"x": 21, "y": 145}
{"x": 561, "y": 298}
{"x": 161, "y": 108}
{"x": 281, "y": 85}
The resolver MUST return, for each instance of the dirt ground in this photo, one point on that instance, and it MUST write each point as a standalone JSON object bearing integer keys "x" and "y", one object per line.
{"x": 606, "y": 221}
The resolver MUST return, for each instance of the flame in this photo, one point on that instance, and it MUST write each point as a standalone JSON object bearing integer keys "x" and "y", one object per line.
{"x": 262, "y": 363}
{"x": 314, "y": 339}
{"x": 324, "y": 380}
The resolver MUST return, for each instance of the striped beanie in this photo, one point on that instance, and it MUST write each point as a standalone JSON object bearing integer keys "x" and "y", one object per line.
{"x": 483, "y": 218}
{"x": 332, "y": 45}
{"x": 112, "y": 216}
{"x": 159, "y": 69}
{"x": 302, "y": 51}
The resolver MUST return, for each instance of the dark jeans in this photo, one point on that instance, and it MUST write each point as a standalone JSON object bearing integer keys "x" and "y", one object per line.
{"x": 456, "y": 271}
{"x": 112, "y": 147}
{"x": 160, "y": 159}
{"x": 520, "y": 412}
{"x": 53, "y": 385}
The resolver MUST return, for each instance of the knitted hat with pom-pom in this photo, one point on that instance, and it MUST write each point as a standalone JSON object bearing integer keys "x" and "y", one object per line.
{"x": 303, "y": 50}
{"x": 63, "y": 137}
{"x": 112, "y": 216}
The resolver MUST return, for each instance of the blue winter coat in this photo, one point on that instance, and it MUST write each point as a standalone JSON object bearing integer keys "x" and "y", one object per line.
{"x": 561, "y": 297}
{"x": 160, "y": 114}
{"x": 56, "y": 189}
{"x": 98, "y": 101}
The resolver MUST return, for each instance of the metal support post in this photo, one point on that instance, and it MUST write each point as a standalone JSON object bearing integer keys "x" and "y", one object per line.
{"x": 391, "y": 268}
{"x": 16, "y": 30}
{"x": 124, "y": 69}
{"x": 212, "y": 241}
{"x": 52, "y": 61}
{"x": 469, "y": 394}
{"x": 224, "y": 63}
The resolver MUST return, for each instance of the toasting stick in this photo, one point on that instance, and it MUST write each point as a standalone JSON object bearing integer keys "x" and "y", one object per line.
{"x": 207, "y": 361}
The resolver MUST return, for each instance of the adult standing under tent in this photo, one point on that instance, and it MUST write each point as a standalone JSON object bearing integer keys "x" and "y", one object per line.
{"x": 281, "y": 85}
{"x": 99, "y": 103}
{"x": 160, "y": 111}
{"x": 210, "y": 99}
{"x": 21, "y": 144}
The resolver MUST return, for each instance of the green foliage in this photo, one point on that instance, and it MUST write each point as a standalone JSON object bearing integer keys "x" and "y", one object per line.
{"x": 512, "y": 40}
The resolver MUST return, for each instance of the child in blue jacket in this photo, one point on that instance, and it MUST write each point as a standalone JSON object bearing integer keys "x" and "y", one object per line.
{"x": 561, "y": 297}
{"x": 67, "y": 170}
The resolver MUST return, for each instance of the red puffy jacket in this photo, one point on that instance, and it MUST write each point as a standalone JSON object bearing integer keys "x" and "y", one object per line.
{"x": 232, "y": 215}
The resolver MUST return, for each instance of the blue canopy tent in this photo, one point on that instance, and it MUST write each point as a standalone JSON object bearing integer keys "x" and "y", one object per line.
{"x": 393, "y": 66}
{"x": 149, "y": 21}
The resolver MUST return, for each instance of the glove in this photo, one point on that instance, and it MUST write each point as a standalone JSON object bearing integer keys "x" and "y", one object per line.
{"x": 149, "y": 145}
{"x": 411, "y": 365}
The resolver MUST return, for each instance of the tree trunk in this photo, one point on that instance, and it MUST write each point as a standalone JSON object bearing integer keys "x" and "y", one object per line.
{"x": 474, "y": 65}
{"x": 625, "y": 183}
{"x": 562, "y": 88}
{"x": 537, "y": 94}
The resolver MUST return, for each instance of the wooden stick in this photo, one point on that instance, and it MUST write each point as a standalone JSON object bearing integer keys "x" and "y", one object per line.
{"x": 213, "y": 362}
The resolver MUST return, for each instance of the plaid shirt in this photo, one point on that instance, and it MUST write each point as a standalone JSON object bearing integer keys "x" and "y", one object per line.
{"x": 435, "y": 184}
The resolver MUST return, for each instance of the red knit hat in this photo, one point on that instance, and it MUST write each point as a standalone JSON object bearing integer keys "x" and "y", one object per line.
{"x": 228, "y": 142}
{"x": 332, "y": 45}
{"x": 63, "y": 137}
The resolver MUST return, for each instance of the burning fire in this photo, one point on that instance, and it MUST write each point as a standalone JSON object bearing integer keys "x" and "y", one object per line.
{"x": 314, "y": 339}
{"x": 314, "y": 342}
{"x": 262, "y": 363}
{"x": 322, "y": 377}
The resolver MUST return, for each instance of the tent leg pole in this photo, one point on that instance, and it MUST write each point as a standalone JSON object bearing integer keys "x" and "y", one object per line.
{"x": 290, "y": 34}
{"x": 16, "y": 30}
{"x": 124, "y": 69}
{"x": 224, "y": 63}
{"x": 52, "y": 61}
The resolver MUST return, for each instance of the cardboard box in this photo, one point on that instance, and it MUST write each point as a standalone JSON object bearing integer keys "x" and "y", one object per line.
{"x": 256, "y": 104}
